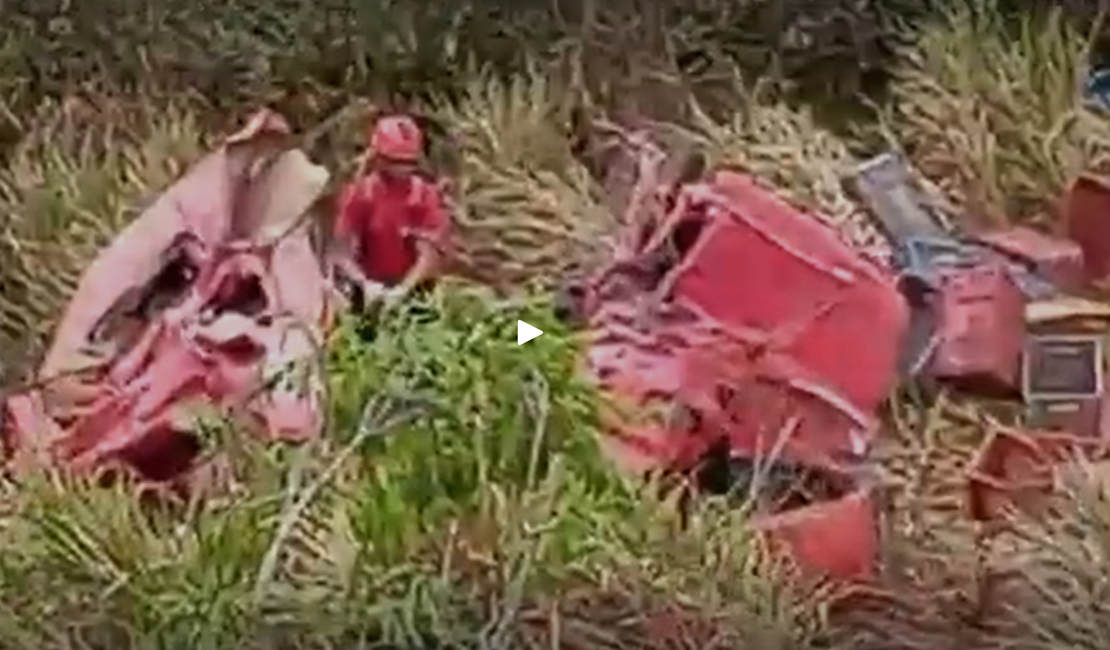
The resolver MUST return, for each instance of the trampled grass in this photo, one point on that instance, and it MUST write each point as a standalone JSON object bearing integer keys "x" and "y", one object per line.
{"x": 484, "y": 513}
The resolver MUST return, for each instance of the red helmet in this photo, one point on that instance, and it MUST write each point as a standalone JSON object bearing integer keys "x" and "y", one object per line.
{"x": 397, "y": 138}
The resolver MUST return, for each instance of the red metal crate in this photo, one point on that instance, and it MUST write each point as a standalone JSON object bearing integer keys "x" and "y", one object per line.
{"x": 981, "y": 330}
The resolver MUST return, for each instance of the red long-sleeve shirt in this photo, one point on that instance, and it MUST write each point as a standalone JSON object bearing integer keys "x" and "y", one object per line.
{"x": 387, "y": 216}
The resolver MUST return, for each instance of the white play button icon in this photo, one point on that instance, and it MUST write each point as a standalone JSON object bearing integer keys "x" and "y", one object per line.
{"x": 525, "y": 332}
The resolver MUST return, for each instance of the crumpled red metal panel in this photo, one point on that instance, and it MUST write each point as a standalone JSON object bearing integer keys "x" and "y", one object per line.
{"x": 1086, "y": 209}
{"x": 246, "y": 301}
{"x": 761, "y": 402}
{"x": 762, "y": 265}
{"x": 1018, "y": 470}
{"x": 743, "y": 320}
{"x": 837, "y": 539}
{"x": 1058, "y": 260}
{"x": 764, "y": 304}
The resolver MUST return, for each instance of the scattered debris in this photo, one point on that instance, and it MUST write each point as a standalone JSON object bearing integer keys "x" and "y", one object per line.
{"x": 1020, "y": 470}
{"x": 1065, "y": 396}
{"x": 998, "y": 314}
{"x": 729, "y": 315}
{"x": 214, "y": 294}
{"x": 724, "y": 314}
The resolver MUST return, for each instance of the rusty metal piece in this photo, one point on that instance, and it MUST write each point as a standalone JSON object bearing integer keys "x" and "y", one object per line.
{"x": 981, "y": 331}
{"x": 1020, "y": 470}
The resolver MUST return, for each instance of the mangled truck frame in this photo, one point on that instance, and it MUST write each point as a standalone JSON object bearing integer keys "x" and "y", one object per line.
{"x": 212, "y": 295}
{"x": 732, "y": 320}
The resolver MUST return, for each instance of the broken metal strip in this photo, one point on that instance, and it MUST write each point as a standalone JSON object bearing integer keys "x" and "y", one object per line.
{"x": 887, "y": 185}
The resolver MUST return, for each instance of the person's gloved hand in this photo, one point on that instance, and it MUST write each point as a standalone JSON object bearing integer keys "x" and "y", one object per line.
{"x": 372, "y": 291}
{"x": 361, "y": 293}
{"x": 393, "y": 296}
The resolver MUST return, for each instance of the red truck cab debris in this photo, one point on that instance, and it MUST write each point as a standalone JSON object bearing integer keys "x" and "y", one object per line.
{"x": 754, "y": 263}
{"x": 213, "y": 295}
{"x": 746, "y": 322}
{"x": 1058, "y": 261}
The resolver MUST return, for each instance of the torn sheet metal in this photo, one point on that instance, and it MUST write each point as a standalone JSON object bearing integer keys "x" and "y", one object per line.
{"x": 213, "y": 295}
{"x": 730, "y": 325}
{"x": 1086, "y": 215}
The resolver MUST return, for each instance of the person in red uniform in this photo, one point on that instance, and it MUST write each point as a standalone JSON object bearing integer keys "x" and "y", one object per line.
{"x": 392, "y": 225}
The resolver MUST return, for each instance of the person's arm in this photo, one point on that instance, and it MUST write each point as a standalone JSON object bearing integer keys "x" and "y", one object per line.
{"x": 346, "y": 242}
{"x": 427, "y": 263}
{"x": 430, "y": 233}
{"x": 346, "y": 264}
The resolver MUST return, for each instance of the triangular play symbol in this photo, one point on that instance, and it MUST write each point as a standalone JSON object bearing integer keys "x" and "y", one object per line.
{"x": 525, "y": 332}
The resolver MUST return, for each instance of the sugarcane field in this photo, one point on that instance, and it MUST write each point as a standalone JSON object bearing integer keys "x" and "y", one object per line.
{"x": 702, "y": 324}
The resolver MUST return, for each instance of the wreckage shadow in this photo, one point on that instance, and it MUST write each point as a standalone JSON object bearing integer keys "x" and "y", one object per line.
{"x": 768, "y": 486}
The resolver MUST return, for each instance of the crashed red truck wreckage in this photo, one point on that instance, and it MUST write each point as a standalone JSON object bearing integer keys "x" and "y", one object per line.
{"x": 745, "y": 342}
{"x": 213, "y": 294}
{"x": 735, "y": 318}
{"x": 758, "y": 335}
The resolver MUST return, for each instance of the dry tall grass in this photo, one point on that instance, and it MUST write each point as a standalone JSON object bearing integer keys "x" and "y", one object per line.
{"x": 82, "y": 171}
{"x": 989, "y": 105}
